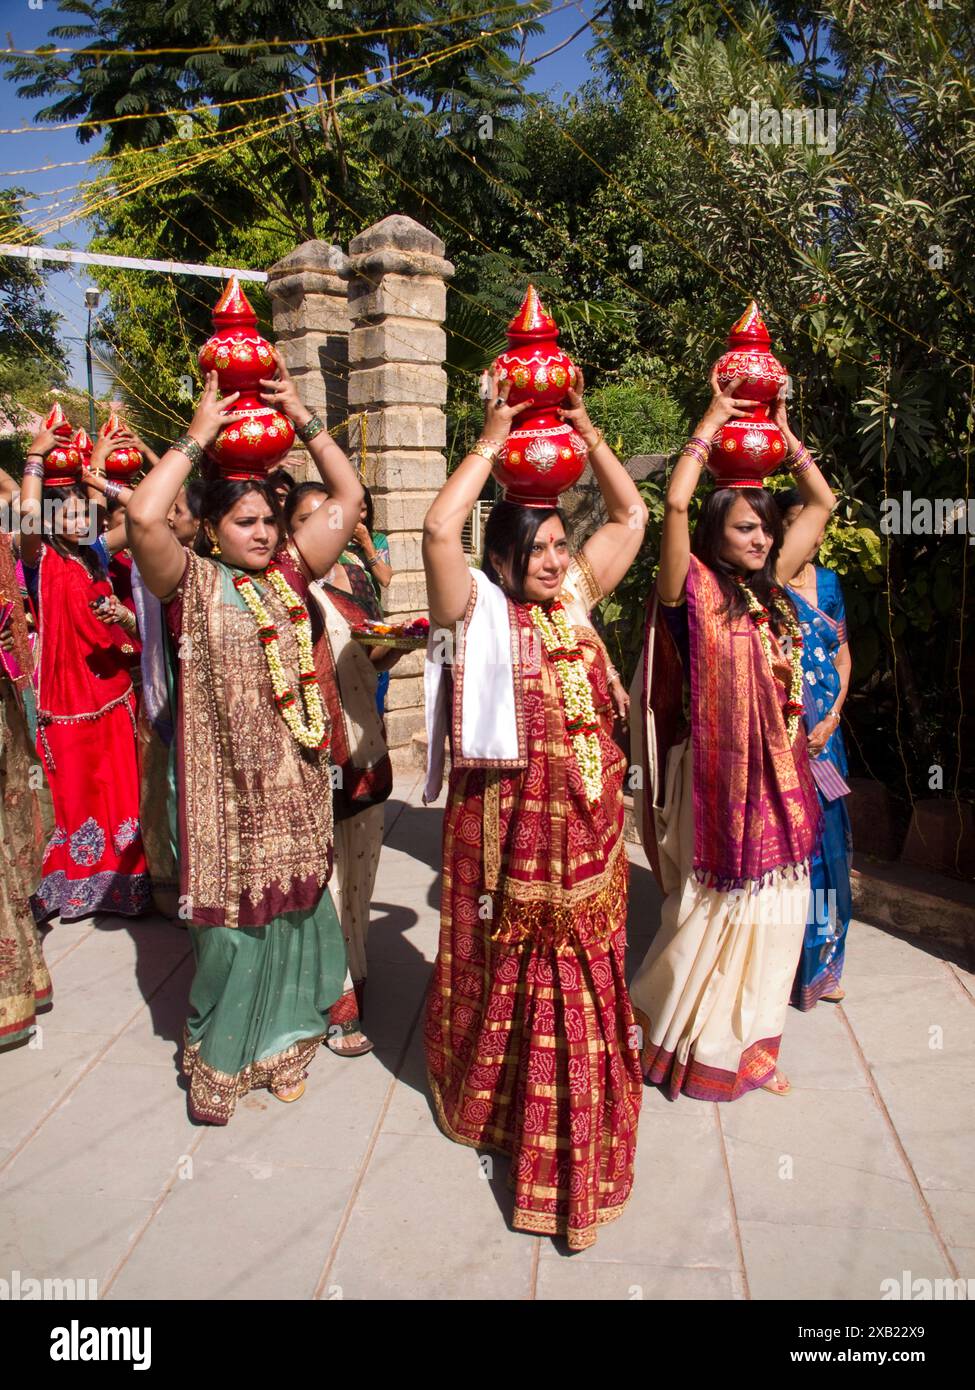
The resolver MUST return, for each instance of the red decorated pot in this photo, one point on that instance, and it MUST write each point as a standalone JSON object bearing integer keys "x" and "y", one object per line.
{"x": 543, "y": 456}
{"x": 540, "y": 461}
{"x": 236, "y": 351}
{"x": 123, "y": 463}
{"x": 247, "y": 448}
{"x": 745, "y": 451}
{"x": 62, "y": 465}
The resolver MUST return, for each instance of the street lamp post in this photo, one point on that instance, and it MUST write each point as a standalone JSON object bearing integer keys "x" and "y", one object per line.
{"x": 91, "y": 302}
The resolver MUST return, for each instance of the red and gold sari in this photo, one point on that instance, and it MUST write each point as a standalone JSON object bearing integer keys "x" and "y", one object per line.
{"x": 529, "y": 1031}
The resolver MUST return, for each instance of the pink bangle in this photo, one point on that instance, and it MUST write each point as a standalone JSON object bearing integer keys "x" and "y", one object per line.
{"x": 801, "y": 461}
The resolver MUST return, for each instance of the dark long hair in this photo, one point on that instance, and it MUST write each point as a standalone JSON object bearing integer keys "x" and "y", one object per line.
{"x": 510, "y": 535}
{"x": 220, "y": 495}
{"x": 82, "y": 551}
{"x": 297, "y": 495}
{"x": 708, "y": 539}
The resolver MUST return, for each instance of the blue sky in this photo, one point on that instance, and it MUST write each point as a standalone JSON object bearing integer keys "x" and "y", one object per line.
{"x": 35, "y": 145}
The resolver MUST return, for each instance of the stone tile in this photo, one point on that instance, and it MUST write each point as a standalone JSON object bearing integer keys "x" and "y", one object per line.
{"x": 964, "y": 1258}
{"x": 871, "y": 952}
{"x": 395, "y": 992}
{"x": 227, "y": 1233}
{"x": 59, "y": 941}
{"x": 112, "y": 975}
{"x": 427, "y": 1224}
{"x": 954, "y": 1215}
{"x": 54, "y": 1235}
{"x": 847, "y": 1131}
{"x": 932, "y": 1107}
{"x": 411, "y": 1110}
{"x": 328, "y": 1128}
{"x": 773, "y": 1186}
{"x": 966, "y": 978}
{"x": 817, "y": 1054}
{"x": 567, "y": 1279}
{"x": 817, "y": 1263}
{"x": 32, "y": 1079}
{"x": 121, "y": 1132}
{"x": 154, "y": 1036}
{"x": 905, "y": 1023}
{"x": 679, "y": 1212}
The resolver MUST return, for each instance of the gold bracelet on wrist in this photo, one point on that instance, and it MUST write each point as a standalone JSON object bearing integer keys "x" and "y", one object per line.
{"x": 487, "y": 449}
{"x": 599, "y": 439}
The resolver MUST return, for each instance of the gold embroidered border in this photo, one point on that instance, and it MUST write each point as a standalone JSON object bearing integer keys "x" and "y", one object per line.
{"x": 214, "y": 1094}
{"x": 491, "y": 833}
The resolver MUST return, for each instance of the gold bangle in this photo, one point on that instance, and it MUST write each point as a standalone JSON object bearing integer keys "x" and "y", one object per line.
{"x": 487, "y": 449}
{"x": 599, "y": 440}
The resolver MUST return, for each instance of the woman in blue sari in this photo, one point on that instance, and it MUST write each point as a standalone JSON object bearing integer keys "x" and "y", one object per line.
{"x": 826, "y": 664}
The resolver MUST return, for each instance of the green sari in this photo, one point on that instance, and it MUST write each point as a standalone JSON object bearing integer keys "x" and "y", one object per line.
{"x": 255, "y": 839}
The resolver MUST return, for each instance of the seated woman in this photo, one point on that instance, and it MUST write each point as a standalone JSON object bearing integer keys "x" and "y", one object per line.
{"x": 252, "y": 768}
{"x": 529, "y": 1031}
{"x": 729, "y": 811}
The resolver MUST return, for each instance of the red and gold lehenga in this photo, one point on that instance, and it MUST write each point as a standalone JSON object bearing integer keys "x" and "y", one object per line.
{"x": 86, "y": 738}
{"x": 531, "y": 1048}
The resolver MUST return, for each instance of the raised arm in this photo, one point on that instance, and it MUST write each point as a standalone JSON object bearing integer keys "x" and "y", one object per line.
{"x": 448, "y": 575}
{"x": 612, "y": 549}
{"x": 8, "y": 488}
{"x": 31, "y": 492}
{"x": 328, "y": 530}
{"x": 159, "y": 555}
{"x": 818, "y": 500}
{"x": 675, "y": 541}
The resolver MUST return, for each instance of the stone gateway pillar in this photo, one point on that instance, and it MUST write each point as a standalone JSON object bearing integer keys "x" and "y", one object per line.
{"x": 307, "y": 289}
{"x": 397, "y": 390}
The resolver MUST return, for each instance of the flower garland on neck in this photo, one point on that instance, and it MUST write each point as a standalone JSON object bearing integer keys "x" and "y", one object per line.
{"x": 761, "y": 618}
{"x": 577, "y": 702}
{"x": 312, "y": 731}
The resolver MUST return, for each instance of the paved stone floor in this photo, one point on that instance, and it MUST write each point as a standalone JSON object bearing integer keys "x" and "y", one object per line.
{"x": 864, "y": 1172}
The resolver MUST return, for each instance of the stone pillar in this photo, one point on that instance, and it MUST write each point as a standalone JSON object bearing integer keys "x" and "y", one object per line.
{"x": 397, "y": 346}
{"x": 307, "y": 289}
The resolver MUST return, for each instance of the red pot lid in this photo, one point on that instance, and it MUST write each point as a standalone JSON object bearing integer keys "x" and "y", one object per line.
{"x": 233, "y": 308}
{"x": 532, "y": 323}
{"x": 750, "y": 330}
{"x": 83, "y": 443}
{"x": 58, "y": 422}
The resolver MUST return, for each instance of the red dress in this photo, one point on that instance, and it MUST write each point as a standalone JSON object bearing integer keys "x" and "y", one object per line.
{"x": 95, "y": 860}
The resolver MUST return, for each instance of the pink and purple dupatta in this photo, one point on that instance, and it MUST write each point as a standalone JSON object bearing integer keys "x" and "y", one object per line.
{"x": 755, "y": 806}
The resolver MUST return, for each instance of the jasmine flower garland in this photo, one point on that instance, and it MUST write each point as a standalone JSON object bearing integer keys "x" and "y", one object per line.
{"x": 312, "y": 731}
{"x": 577, "y": 702}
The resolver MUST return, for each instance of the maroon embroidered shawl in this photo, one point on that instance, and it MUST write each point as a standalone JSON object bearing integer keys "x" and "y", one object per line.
{"x": 755, "y": 803}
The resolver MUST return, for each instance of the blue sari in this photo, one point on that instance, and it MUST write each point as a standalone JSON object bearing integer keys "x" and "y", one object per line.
{"x": 831, "y": 905}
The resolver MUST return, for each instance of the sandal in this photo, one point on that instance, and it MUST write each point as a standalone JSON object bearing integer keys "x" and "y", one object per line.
{"x": 778, "y": 1085}
{"x": 289, "y": 1094}
{"x": 338, "y": 1044}
{"x": 834, "y": 996}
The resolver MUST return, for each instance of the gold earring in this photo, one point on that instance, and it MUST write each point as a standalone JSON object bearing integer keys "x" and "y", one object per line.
{"x": 214, "y": 543}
